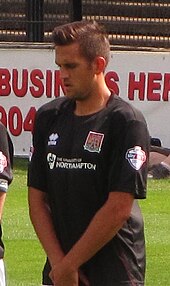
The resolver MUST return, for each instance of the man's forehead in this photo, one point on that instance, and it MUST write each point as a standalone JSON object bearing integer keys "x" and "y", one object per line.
{"x": 67, "y": 53}
{"x": 74, "y": 47}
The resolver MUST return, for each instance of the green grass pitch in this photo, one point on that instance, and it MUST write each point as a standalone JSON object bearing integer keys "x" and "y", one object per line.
{"x": 24, "y": 256}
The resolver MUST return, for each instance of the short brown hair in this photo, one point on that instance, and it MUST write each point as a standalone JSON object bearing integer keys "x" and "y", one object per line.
{"x": 90, "y": 36}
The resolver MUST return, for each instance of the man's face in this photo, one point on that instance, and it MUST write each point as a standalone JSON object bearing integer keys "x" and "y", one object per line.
{"x": 76, "y": 72}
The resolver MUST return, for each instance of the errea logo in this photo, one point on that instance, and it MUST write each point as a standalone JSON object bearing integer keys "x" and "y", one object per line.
{"x": 53, "y": 139}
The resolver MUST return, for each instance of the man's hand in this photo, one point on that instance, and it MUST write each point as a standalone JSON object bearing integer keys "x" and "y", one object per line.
{"x": 62, "y": 274}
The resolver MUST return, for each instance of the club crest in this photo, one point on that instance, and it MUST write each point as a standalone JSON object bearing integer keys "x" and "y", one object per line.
{"x": 136, "y": 157}
{"x": 94, "y": 142}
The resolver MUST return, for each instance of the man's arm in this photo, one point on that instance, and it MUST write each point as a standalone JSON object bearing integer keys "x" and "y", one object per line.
{"x": 161, "y": 150}
{"x": 103, "y": 227}
{"x": 2, "y": 202}
{"x": 41, "y": 219}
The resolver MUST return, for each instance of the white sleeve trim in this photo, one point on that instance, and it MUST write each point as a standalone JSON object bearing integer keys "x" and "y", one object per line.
{"x": 3, "y": 185}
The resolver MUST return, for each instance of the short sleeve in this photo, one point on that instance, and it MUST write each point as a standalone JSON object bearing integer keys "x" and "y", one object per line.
{"x": 36, "y": 168}
{"x": 131, "y": 163}
{"x": 6, "y": 159}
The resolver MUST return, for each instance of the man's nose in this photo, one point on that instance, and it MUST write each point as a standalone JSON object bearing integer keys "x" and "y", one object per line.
{"x": 63, "y": 73}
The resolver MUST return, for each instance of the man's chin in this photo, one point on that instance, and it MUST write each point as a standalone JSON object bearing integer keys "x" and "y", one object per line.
{"x": 76, "y": 97}
{"x": 69, "y": 95}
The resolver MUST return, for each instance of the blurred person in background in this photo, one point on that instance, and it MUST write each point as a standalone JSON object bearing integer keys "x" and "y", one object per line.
{"x": 6, "y": 163}
{"x": 159, "y": 161}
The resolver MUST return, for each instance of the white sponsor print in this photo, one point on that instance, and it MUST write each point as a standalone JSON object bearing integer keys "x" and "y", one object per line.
{"x": 136, "y": 157}
{"x": 63, "y": 163}
{"x": 3, "y": 162}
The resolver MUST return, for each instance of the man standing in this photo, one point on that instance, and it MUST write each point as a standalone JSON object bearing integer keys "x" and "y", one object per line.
{"x": 88, "y": 168}
{"x": 6, "y": 161}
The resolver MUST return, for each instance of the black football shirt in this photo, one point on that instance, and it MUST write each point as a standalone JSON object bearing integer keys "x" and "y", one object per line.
{"x": 78, "y": 160}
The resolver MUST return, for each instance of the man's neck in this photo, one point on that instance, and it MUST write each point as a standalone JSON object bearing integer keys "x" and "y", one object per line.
{"x": 93, "y": 104}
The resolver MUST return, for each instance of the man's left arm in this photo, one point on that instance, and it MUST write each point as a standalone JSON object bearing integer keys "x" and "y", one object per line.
{"x": 2, "y": 201}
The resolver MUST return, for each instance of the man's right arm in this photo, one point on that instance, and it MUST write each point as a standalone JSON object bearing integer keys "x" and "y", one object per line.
{"x": 40, "y": 216}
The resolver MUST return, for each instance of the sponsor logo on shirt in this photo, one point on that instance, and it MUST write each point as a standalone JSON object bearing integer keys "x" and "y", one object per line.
{"x": 65, "y": 163}
{"x": 53, "y": 139}
{"x": 3, "y": 162}
{"x": 136, "y": 157}
{"x": 94, "y": 142}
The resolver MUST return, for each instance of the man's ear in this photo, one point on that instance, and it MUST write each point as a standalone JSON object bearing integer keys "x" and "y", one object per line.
{"x": 99, "y": 65}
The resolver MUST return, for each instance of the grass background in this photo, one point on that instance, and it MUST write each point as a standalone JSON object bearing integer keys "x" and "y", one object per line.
{"x": 24, "y": 257}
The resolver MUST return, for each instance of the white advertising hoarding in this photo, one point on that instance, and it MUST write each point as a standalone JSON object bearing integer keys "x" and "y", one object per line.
{"x": 30, "y": 78}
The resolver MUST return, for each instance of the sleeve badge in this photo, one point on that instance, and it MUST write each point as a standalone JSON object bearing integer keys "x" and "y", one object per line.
{"x": 3, "y": 162}
{"x": 136, "y": 157}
